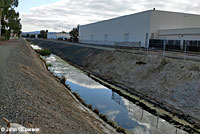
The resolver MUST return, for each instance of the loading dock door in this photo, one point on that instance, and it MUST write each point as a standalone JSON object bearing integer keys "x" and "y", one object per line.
{"x": 126, "y": 37}
{"x": 146, "y": 40}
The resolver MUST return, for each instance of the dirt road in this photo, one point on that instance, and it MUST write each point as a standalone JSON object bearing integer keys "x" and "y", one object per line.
{"x": 29, "y": 93}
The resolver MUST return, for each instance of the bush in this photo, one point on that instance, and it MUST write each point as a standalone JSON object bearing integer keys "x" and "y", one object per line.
{"x": 96, "y": 111}
{"x": 104, "y": 117}
{"x": 77, "y": 95}
{"x": 90, "y": 106}
{"x": 121, "y": 130}
{"x": 49, "y": 65}
{"x": 79, "y": 98}
{"x": 63, "y": 79}
{"x": 44, "y": 52}
{"x": 112, "y": 123}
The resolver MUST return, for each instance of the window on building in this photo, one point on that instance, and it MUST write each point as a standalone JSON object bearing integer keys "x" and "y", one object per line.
{"x": 126, "y": 37}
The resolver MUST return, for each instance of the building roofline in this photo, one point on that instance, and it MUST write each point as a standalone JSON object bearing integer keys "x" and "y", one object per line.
{"x": 181, "y": 28}
{"x": 115, "y": 18}
{"x": 139, "y": 13}
{"x": 176, "y": 12}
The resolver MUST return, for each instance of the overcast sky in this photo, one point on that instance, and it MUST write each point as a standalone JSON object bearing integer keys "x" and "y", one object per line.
{"x": 63, "y": 15}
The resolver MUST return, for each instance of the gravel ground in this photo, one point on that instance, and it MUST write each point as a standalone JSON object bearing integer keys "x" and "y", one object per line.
{"x": 29, "y": 93}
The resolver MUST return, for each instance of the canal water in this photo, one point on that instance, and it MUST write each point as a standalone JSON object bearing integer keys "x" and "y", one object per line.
{"x": 117, "y": 108}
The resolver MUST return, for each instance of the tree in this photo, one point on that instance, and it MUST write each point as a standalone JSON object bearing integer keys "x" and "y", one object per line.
{"x": 74, "y": 34}
{"x": 8, "y": 4}
{"x": 27, "y": 35}
{"x": 43, "y": 34}
{"x": 9, "y": 18}
{"x": 14, "y": 22}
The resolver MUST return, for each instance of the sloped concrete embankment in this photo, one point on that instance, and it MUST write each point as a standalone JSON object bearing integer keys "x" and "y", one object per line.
{"x": 170, "y": 83}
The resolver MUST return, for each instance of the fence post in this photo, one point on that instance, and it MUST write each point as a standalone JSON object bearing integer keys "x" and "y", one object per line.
{"x": 164, "y": 47}
{"x": 185, "y": 50}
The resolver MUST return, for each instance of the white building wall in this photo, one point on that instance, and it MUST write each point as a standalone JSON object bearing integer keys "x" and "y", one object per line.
{"x": 58, "y": 35}
{"x": 172, "y": 20}
{"x": 180, "y": 34}
{"x": 130, "y": 28}
{"x": 51, "y": 36}
{"x": 63, "y": 35}
{"x": 134, "y": 28}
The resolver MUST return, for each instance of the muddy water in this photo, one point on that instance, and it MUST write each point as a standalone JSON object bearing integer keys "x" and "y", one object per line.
{"x": 117, "y": 108}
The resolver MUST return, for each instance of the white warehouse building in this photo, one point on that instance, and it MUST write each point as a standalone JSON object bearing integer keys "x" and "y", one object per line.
{"x": 143, "y": 27}
{"x": 58, "y": 36}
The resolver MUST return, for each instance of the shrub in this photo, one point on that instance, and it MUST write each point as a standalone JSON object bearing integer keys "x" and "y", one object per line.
{"x": 49, "y": 65}
{"x": 121, "y": 130}
{"x": 90, "y": 106}
{"x": 63, "y": 79}
{"x": 77, "y": 95}
{"x": 96, "y": 111}
{"x": 112, "y": 123}
{"x": 79, "y": 98}
{"x": 44, "y": 52}
{"x": 104, "y": 117}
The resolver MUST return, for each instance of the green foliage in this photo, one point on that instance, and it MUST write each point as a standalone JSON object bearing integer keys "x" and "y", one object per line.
{"x": 121, "y": 130}
{"x": 9, "y": 3}
{"x": 74, "y": 34}
{"x": 9, "y": 18}
{"x": 44, "y": 52}
{"x": 49, "y": 65}
{"x": 43, "y": 34}
{"x": 32, "y": 36}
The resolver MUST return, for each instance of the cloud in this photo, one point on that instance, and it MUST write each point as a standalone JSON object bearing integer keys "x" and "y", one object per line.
{"x": 112, "y": 114}
{"x": 66, "y": 14}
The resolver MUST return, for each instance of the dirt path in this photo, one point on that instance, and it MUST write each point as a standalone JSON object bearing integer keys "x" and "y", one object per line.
{"x": 29, "y": 93}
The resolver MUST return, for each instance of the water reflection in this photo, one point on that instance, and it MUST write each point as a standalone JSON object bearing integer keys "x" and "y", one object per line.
{"x": 35, "y": 47}
{"x": 59, "y": 67}
{"x": 117, "y": 108}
